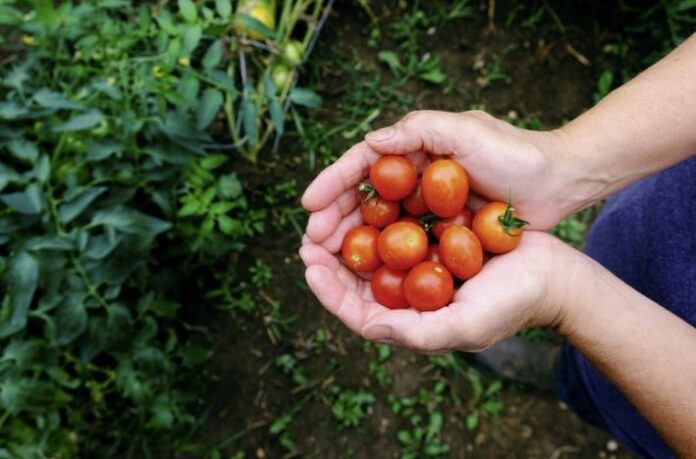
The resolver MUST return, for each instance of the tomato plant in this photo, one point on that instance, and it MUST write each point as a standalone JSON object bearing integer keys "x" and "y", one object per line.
{"x": 463, "y": 218}
{"x": 359, "y": 249}
{"x": 394, "y": 177}
{"x": 445, "y": 187}
{"x": 429, "y": 286}
{"x": 498, "y": 228}
{"x": 387, "y": 288}
{"x": 461, "y": 252}
{"x": 402, "y": 244}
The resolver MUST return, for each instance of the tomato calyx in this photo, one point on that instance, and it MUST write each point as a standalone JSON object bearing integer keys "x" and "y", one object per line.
{"x": 367, "y": 190}
{"x": 427, "y": 221}
{"x": 510, "y": 222}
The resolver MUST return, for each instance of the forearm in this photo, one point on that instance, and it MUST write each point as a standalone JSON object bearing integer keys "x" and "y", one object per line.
{"x": 648, "y": 352}
{"x": 642, "y": 127}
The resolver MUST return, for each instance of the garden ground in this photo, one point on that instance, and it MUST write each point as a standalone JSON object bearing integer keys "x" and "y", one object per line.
{"x": 296, "y": 382}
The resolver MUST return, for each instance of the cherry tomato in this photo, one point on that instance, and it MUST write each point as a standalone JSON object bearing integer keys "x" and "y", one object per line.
{"x": 359, "y": 249}
{"x": 379, "y": 212}
{"x": 428, "y": 286}
{"x": 394, "y": 177}
{"x": 445, "y": 187}
{"x": 463, "y": 218}
{"x": 414, "y": 203}
{"x": 433, "y": 253}
{"x": 498, "y": 228}
{"x": 387, "y": 287}
{"x": 402, "y": 245}
{"x": 410, "y": 219}
{"x": 461, "y": 252}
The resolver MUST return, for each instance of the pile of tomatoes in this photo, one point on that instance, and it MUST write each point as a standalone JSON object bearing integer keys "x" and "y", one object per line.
{"x": 418, "y": 236}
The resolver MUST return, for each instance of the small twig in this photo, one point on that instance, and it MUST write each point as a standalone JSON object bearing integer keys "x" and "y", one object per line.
{"x": 576, "y": 54}
{"x": 245, "y": 90}
{"x": 570, "y": 49}
{"x": 563, "y": 450}
{"x": 491, "y": 16}
{"x": 555, "y": 17}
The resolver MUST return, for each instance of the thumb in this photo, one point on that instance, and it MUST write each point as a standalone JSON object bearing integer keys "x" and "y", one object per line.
{"x": 426, "y": 131}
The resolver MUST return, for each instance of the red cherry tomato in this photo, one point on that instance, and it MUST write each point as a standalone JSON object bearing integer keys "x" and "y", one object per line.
{"x": 498, "y": 228}
{"x": 402, "y": 245}
{"x": 429, "y": 286}
{"x": 463, "y": 218}
{"x": 461, "y": 252}
{"x": 387, "y": 288}
{"x": 379, "y": 212}
{"x": 410, "y": 219}
{"x": 445, "y": 187}
{"x": 433, "y": 253}
{"x": 414, "y": 203}
{"x": 359, "y": 249}
{"x": 394, "y": 177}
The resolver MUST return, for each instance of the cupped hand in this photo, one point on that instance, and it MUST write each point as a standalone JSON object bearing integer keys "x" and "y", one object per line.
{"x": 512, "y": 290}
{"x": 501, "y": 159}
{"x": 520, "y": 289}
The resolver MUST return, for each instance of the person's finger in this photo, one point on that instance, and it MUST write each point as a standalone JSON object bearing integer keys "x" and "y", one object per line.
{"x": 334, "y": 241}
{"x": 425, "y": 332}
{"x": 315, "y": 254}
{"x": 341, "y": 301}
{"x": 342, "y": 175}
{"x": 312, "y": 254}
{"x": 324, "y": 222}
{"x": 428, "y": 131}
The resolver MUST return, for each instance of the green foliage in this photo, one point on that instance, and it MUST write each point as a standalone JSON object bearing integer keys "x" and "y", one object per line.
{"x": 349, "y": 406}
{"x": 423, "y": 437}
{"x": 484, "y": 399}
{"x": 109, "y": 200}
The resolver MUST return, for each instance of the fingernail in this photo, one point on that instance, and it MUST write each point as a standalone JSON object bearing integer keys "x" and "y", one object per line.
{"x": 380, "y": 135}
{"x": 377, "y": 332}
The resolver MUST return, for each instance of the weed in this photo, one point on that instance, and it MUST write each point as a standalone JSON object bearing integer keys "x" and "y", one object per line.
{"x": 349, "y": 407}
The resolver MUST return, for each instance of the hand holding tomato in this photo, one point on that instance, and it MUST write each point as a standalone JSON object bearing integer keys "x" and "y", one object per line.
{"x": 520, "y": 289}
{"x": 498, "y": 158}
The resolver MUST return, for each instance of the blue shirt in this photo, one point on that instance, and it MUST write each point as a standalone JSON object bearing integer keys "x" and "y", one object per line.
{"x": 645, "y": 235}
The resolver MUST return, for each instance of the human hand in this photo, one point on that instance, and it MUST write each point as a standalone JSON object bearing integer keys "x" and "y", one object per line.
{"x": 535, "y": 167}
{"x": 499, "y": 159}
{"x": 523, "y": 288}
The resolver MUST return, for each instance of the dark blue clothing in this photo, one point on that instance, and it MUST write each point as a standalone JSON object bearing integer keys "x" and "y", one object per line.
{"x": 645, "y": 235}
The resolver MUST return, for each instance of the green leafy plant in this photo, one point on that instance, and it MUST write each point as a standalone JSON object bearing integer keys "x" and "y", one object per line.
{"x": 484, "y": 400}
{"x": 264, "y": 64}
{"x": 112, "y": 196}
{"x": 422, "y": 438}
{"x": 349, "y": 406}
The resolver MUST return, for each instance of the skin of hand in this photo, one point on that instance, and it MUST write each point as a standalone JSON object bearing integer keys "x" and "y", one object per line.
{"x": 483, "y": 310}
{"x": 520, "y": 289}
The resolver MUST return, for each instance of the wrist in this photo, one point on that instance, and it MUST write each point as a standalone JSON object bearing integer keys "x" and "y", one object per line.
{"x": 579, "y": 290}
{"x": 575, "y": 159}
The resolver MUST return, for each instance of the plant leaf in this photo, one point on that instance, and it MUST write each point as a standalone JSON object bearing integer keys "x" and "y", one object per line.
{"x": 208, "y": 108}
{"x": 22, "y": 279}
{"x": 55, "y": 100}
{"x": 224, "y": 8}
{"x": 188, "y": 10}
{"x": 23, "y": 149}
{"x": 71, "y": 209}
{"x": 305, "y": 97}
{"x": 213, "y": 55}
{"x": 70, "y": 319}
{"x": 81, "y": 122}
{"x": 27, "y": 202}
